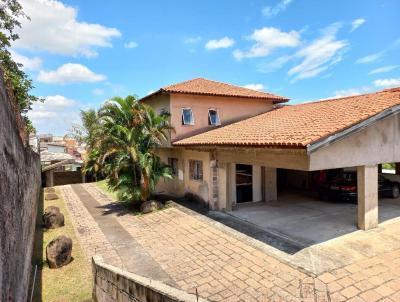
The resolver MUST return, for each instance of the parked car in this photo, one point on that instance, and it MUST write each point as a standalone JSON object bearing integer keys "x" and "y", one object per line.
{"x": 344, "y": 188}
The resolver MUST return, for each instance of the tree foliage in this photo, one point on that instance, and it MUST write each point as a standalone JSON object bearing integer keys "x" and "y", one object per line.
{"x": 10, "y": 14}
{"x": 122, "y": 139}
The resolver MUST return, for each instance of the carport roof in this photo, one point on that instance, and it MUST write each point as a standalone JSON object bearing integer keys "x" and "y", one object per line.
{"x": 299, "y": 126}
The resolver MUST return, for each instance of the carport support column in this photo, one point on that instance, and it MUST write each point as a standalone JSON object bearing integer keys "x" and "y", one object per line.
{"x": 270, "y": 184}
{"x": 367, "y": 186}
{"x": 49, "y": 178}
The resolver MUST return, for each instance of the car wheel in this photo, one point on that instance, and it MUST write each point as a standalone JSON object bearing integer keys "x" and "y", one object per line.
{"x": 395, "y": 191}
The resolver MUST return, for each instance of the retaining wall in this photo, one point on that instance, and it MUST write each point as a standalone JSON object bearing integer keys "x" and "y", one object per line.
{"x": 19, "y": 196}
{"x": 111, "y": 284}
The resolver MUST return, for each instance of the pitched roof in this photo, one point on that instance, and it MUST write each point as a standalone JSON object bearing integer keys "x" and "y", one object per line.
{"x": 299, "y": 125}
{"x": 201, "y": 86}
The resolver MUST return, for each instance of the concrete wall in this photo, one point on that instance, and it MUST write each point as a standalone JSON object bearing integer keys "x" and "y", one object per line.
{"x": 19, "y": 195}
{"x": 230, "y": 109}
{"x": 111, "y": 284}
{"x": 378, "y": 143}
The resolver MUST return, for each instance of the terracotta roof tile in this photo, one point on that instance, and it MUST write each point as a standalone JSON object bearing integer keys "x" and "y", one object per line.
{"x": 202, "y": 86}
{"x": 299, "y": 125}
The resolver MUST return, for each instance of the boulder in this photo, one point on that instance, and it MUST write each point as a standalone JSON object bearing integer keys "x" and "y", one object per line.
{"x": 58, "y": 252}
{"x": 51, "y": 196}
{"x": 150, "y": 206}
{"x": 53, "y": 218}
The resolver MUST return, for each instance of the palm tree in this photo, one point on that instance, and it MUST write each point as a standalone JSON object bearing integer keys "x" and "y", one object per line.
{"x": 131, "y": 132}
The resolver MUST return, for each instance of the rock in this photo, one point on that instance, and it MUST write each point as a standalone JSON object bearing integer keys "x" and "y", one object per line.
{"x": 58, "y": 252}
{"x": 50, "y": 190}
{"x": 51, "y": 196}
{"x": 53, "y": 218}
{"x": 150, "y": 206}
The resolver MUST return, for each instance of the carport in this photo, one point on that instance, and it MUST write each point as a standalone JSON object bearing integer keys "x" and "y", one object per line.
{"x": 359, "y": 131}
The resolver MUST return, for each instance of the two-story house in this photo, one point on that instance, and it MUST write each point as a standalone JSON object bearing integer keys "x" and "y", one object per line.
{"x": 232, "y": 145}
{"x": 197, "y": 106}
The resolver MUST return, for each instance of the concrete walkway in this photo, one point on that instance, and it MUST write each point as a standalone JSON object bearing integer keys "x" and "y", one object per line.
{"x": 196, "y": 252}
{"x": 134, "y": 258}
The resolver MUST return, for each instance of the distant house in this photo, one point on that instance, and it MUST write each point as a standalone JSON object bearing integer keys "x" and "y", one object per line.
{"x": 233, "y": 145}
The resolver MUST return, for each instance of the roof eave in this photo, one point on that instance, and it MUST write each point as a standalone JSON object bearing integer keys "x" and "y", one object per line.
{"x": 324, "y": 142}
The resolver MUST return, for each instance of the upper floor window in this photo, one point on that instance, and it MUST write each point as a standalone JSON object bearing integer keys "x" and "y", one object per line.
{"x": 213, "y": 117}
{"x": 187, "y": 116}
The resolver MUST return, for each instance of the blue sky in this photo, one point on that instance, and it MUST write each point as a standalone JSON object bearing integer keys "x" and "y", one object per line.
{"x": 80, "y": 53}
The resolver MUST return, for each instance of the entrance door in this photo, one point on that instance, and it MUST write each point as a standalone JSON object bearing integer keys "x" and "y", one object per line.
{"x": 244, "y": 183}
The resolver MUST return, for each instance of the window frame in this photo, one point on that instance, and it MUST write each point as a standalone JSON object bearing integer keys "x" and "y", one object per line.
{"x": 197, "y": 173}
{"x": 183, "y": 119}
{"x": 209, "y": 117}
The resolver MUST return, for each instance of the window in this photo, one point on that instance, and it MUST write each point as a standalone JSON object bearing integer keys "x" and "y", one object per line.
{"x": 196, "y": 169}
{"x": 213, "y": 118}
{"x": 173, "y": 163}
{"x": 187, "y": 116}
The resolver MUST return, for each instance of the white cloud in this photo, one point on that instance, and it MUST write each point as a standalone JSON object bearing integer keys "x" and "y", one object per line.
{"x": 370, "y": 58}
{"x": 394, "y": 82}
{"x": 56, "y": 101}
{"x": 55, "y": 115}
{"x": 225, "y": 42}
{"x": 41, "y": 115}
{"x": 351, "y": 91}
{"x": 192, "y": 40}
{"x": 270, "y": 11}
{"x": 28, "y": 63}
{"x": 130, "y": 44}
{"x": 98, "y": 91}
{"x": 266, "y": 40}
{"x": 69, "y": 73}
{"x": 53, "y": 27}
{"x": 255, "y": 86}
{"x": 384, "y": 69}
{"x": 356, "y": 24}
{"x": 274, "y": 65}
{"x": 319, "y": 55}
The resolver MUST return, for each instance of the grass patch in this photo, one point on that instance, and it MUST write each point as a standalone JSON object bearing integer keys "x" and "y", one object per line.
{"x": 72, "y": 282}
{"x": 388, "y": 166}
{"x": 102, "y": 184}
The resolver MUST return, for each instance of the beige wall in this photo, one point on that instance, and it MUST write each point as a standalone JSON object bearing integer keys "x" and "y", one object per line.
{"x": 182, "y": 183}
{"x": 230, "y": 109}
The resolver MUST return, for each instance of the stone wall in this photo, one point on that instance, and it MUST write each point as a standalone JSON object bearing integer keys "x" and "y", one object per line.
{"x": 19, "y": 195}
{"x": 111, "y": 284}
{"x": 67, "y": 177}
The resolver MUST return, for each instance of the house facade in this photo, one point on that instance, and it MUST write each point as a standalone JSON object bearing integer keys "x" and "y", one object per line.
{"x": 234, "y": 145}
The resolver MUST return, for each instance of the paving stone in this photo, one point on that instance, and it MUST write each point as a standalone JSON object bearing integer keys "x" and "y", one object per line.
{"x": 195, "y": 253}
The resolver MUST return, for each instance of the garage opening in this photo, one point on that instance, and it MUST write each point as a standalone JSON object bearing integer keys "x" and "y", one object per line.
{"x": 244, "y": 183}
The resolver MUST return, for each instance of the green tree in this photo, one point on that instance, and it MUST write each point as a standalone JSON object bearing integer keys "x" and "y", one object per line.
{"x": 10, "y": 13}
{"x": 131, "y": 133}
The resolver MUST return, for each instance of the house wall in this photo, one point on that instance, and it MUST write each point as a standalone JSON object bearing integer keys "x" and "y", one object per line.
{"x": 182, "y": 183}
{"x": 230, "y": 109}
{"x": 378, "y": 143}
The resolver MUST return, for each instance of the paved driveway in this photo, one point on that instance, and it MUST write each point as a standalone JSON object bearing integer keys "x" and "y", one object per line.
{"x": 193, "y": 251}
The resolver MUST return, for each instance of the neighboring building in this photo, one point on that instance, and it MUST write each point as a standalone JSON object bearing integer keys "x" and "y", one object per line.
{"x": 233, "y": 144}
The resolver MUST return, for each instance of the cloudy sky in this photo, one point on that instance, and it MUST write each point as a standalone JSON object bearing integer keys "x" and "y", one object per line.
{"x": 80, "y": 53}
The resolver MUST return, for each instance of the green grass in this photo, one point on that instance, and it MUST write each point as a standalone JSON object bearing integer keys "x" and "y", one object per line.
{"x": 72, "y": 282}
{"x": 102, "y": 184}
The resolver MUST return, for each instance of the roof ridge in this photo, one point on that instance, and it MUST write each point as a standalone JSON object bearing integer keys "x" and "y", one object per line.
{"x": 180, "y": 83}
